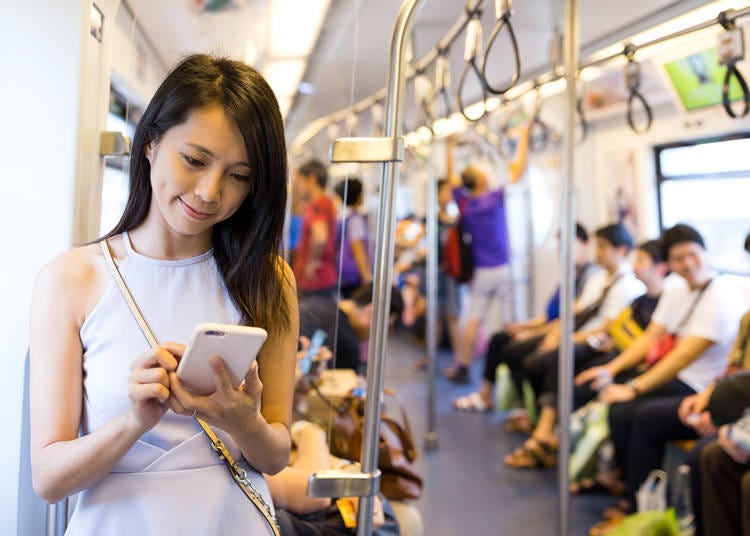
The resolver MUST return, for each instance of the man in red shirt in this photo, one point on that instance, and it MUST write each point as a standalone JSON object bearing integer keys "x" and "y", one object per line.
{"x": 315, "y": 264}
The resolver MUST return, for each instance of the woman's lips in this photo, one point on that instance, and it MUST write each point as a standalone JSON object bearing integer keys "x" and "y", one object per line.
{"x": 191, "y": 212}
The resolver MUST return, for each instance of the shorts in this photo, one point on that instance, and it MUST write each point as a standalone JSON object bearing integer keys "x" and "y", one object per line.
{"x": 491, "y": 283}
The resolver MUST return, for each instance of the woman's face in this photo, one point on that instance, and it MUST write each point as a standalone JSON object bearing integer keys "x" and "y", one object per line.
{"x": 200, "y": 173}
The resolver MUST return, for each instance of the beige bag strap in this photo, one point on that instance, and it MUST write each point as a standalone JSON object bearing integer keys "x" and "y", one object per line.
{"x": 238, "y": 473}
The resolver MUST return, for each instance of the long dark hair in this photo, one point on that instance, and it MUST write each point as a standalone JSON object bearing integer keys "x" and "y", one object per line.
{"x": 246, "y": 244}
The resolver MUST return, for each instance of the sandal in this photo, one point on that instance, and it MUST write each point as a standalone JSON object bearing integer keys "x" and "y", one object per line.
{"x": 518, "y": 423}
{"x": 605, "y": 527}
{"x": 533, "y": 454}
{"x": 421, "y": 364}
{"x": 587, "y": 486}
{"x": 618, "y": 510}
{"x": 471, "y": 403}
{"x": 613, "y": 516}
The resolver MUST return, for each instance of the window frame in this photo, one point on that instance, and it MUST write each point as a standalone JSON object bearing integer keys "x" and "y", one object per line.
{"x": 661, "y": 178}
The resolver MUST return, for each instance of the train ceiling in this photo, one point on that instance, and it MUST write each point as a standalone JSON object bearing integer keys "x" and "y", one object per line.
{"x": 176, "y": 28}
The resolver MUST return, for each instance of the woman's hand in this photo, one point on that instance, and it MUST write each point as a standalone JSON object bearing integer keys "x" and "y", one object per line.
{"x": 149, "y": 384}
{"x": 232, "y": 410}
{"x": 730, "y": 447}
{"x": 616, "y": 392}
{"x": 704, "y": 425}
{"x": 594, "y": 375}
{"x": 692, "y": 405}
{"x": 550, "y": 342}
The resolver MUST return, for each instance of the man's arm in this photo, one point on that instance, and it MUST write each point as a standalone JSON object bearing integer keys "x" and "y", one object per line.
{"x": 318, "y": 239}
{"x": 450, "y": 163}
{"x": 687, "y": 350}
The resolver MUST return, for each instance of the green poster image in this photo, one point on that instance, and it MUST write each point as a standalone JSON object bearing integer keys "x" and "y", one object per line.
{"x": 698, "y": 80}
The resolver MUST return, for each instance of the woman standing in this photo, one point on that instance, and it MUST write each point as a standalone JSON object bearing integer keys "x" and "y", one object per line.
{"x": 197, "y": 242}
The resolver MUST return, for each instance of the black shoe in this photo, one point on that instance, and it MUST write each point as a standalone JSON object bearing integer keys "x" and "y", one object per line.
{"x": 461, "y": 375}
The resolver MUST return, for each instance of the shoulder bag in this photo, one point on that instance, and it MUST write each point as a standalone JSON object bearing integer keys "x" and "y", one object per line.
{"x": 235, "y": 470}
{"x": 396, "y": 451}
{"x": 666, "y": 343}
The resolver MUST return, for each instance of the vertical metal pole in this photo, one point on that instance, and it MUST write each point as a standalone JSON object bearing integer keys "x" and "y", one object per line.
{"x": 383, "y": 273}
{"x": 431, "y": 437}
{"x": 565, "y": 377}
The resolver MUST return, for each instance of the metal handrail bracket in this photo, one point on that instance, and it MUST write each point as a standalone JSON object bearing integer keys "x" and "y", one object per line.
{"x": 343, "y": 483}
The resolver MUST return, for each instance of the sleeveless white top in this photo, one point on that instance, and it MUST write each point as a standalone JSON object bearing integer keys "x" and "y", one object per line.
{"x": 171, "y": 481}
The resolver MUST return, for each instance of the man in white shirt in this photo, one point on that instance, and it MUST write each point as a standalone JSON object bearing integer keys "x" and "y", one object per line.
{"x": 703, "y": 315}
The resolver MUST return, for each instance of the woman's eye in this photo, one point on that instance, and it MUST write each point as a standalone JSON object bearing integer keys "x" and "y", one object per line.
{"x": 240, "y": 177}
{"x": 193, "y": 162}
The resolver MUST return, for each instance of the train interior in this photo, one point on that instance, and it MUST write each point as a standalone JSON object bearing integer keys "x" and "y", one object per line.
{"x": 651, "y": 136}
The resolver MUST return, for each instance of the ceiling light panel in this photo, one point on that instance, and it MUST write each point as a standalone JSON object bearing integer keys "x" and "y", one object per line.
{"x": 284, "y": 76}
{"x": 294, "y": 27}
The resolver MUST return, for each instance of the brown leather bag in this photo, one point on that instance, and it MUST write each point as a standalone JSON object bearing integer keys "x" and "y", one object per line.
{"x": 396, "y": 452}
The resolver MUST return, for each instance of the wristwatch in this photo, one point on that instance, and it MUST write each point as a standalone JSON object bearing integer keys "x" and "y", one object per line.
{"x": 633, "y": 384}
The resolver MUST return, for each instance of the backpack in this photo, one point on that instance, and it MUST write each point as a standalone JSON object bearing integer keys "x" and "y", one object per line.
{"x": 457, "y": 254}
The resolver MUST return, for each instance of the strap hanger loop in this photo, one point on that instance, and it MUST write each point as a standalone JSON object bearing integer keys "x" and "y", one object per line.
{"x": 731, "y": 50}
{"x": 473, "y": 44}
{"x": 538, "y": 142}
{"x": 632, "y": 77}
{"x": 503, "y": 14}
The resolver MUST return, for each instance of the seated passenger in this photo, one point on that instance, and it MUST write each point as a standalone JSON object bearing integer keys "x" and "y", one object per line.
{"x": 517, "y": 340}
{"x": 703, "y": 315}
{"x": 725, "y": 478}
{"x": 348, "y": 321}
{"x": 590, "y": 346}
{"x": 301, "y": 515}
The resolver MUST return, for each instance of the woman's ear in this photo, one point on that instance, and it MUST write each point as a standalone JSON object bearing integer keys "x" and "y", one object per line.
{"x": 149, "y": 151}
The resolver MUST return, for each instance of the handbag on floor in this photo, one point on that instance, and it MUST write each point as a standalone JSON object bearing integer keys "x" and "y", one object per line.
{"x": 396, "y": 451}
{"x": 506, "y": 394}
{"x": 589, "y": 430}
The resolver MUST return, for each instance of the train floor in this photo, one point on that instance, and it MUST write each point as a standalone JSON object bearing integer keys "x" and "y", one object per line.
{"x": 468, "y": 490}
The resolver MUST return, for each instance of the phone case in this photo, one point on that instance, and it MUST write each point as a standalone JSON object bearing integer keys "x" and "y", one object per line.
{"x": 237, "y": 346}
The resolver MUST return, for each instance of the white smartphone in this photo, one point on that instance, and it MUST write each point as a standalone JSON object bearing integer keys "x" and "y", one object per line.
{"x": 237, "y": 346}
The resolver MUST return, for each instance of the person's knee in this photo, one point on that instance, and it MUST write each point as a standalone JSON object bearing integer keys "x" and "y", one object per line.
{"x": 746, "y": 490}
{"x": 409, "y": 518}
{"x": 619, "y": 415}
{"x": 711, "y": 458}
{"x": 535, "y": 364}
{"x": 646, "y": 422}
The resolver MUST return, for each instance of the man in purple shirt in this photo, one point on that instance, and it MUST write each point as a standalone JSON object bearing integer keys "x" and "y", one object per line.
{"x": 483, "y": 212}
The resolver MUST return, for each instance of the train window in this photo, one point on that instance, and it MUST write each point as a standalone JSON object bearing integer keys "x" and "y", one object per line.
{"x": 115, "y": 182}
{"x": 706, "y": 184}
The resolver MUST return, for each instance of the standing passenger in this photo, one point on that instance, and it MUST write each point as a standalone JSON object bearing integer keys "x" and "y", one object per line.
{"x": 483, "y": 211}
{"x": 198, "y": 242}
{"x": 355, "y": 244}
{"x": 315, "y": 263}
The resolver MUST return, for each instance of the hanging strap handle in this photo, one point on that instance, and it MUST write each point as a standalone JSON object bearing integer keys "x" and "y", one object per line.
{"x": 633, "y": 84}
{"x": 238, "y": 473}
{"x": 731, "y": 51}
{"x": 503, "y": 13}
{"x": 471, "y": 49}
